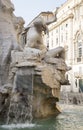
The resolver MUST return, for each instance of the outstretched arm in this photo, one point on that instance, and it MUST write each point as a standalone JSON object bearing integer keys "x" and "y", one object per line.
{"x": 58, "y": 52}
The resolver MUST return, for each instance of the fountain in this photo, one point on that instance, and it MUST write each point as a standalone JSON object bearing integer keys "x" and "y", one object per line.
{"x": 30, "y": 77}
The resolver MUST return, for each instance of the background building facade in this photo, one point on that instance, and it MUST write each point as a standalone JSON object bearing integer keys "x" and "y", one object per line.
{"x": 67, "y": 31}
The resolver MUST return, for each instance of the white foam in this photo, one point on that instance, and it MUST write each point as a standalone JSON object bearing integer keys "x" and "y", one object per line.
{"x": 18, "y": 126}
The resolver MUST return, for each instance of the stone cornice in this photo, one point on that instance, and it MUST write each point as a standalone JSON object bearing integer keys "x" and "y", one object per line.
{"x": 67, "y": 3}
{"x": 57, "y": 23}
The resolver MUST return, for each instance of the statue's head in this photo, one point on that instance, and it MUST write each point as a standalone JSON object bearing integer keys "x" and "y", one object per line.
{"x": 40, "y": 25}
{"x": 18, "y": 22}
{"x": 38, "y": 21}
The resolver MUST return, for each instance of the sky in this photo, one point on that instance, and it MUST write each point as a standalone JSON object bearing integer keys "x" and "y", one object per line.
{"x": 29, "y": 9}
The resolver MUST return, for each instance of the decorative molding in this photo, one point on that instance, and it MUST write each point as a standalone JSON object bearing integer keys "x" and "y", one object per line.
{"x": 57, "y": 23}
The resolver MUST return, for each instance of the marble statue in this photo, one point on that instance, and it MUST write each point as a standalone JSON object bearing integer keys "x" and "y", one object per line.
{"x": 35, "y": 34}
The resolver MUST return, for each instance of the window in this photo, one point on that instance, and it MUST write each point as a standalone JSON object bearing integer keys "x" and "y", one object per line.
{"x": 80, "y": 51}
{"x": 79, "y": 46}
{"x": 61, "y": 38}
{"x": 52, "y": 42}
{"x": 66, "y": 25}
{"x": 52, "y": 33}
{"x": 47, "y": 41}
{"x": 61, "y": 27}
{"x": 56, "y": 41}
{"x": 56, "y": 30}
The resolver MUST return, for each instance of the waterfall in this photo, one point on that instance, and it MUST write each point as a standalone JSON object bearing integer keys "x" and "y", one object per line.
{"x": 20, "y": 109}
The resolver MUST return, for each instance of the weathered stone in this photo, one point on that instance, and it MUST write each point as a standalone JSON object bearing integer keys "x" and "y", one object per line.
{"x": 18, "y": 23}
{"x": 8, "y": 39}
{"x": 30, "y": 78}
{"x": 44, "y": 104}
{"x": 49, "y": 77}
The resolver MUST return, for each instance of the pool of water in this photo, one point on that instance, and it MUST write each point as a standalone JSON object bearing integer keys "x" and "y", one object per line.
{"x": 71, "y": 118}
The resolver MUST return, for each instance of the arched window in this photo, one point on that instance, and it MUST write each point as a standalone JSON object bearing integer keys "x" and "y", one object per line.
{"x": 79, "y": 46}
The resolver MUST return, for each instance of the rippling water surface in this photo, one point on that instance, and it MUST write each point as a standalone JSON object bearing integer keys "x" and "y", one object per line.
{"x": 71, "y": 118}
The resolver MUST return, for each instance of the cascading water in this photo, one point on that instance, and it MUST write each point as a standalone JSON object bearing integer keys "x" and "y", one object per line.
{"x": 20, "y": 109}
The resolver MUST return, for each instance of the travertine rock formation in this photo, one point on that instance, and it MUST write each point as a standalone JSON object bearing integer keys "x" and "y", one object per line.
{"x": 18, "y": 23}
{"x": 8, "y": 38}
{"x": 30, "y": 79}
